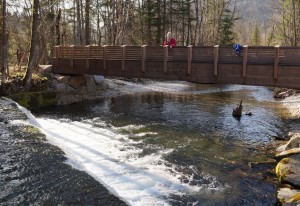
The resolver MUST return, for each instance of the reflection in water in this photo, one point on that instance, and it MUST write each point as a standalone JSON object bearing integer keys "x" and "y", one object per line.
{"x": 207, "y": 148}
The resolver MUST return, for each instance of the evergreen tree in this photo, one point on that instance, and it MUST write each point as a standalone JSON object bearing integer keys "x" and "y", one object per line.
{"x": 226, "y": 34}
{"x": 256, "y": 36}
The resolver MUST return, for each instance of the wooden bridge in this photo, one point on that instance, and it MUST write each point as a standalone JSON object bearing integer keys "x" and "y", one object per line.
{"x": 256, "y": 65}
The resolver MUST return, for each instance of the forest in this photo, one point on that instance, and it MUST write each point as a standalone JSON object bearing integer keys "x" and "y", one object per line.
{"x": 31, "y": 28}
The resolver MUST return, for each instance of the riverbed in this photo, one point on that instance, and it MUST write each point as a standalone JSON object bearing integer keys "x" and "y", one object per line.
{"x": 173, "y": 143}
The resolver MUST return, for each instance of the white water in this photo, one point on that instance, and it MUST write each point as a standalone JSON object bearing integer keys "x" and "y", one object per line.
{"x": 115, "y": 160}
{"x": 112, "y": 159}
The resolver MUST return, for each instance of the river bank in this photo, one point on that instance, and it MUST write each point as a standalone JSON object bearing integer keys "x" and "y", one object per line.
{"x": 34, "y": 172}
{"x": 288, "y": 167}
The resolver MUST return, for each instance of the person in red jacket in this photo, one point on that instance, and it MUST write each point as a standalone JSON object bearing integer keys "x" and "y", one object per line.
{"x": 170, "y": 41}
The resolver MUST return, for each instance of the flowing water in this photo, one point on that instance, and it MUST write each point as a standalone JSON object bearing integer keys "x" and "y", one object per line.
{"x": 173, "y": 143}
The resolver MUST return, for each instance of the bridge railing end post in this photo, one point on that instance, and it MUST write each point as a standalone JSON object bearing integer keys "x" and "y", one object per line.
{"x": 245, "y": 60}
{"x": 276, "y": 61}
{"x": 144, "y": 52}
{"x": 123, "y": 56}
{"x": 165, "y": 48}
{"x": 190, "y": 57}
{"x": 216, "y": 59}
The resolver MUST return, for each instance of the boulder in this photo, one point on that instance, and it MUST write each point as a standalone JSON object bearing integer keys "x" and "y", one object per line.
{"x": 77, "y": 81}
{"x": 288, "y": 170}
{"x": 288, "y": 196}
{"x": 45, "y": 68}
{"x": 99, "y": 79}
{"x": 90, "y": 84}
{"x": 288, "y": 153}
{"x": 294, "y": 142}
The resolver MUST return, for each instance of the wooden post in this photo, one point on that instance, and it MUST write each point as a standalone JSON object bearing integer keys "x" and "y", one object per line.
{"x": 87, "y": 48}
{"x": 123, "y": 56}
{"x": 165, "y": 48}
{"x": 57, "y": 54}
{"x": 276, "y": 62}
{"x": 72, "y": 56}
{"x": 190, "y": 57}
{"x": 245, "y": 59}
{"x": 143, "y": 58}
{"x": 104, "y": 56}
{"x": 216, "y": 59}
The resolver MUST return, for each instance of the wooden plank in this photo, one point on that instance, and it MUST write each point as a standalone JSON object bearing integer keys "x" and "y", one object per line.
{"x": 123, "y": 56}
{"x": 276, "y": 61}
{"x": 165, "y": 59}
{"x": 88, "y": 56}
{"x": 144, "y": 52}
{"x": 216, "y": 59}
{"x": 190, "y": 57}
{"x": 245, "y": 59}
{"x": 104, "y": 56}
{"x": 72, "y": 56}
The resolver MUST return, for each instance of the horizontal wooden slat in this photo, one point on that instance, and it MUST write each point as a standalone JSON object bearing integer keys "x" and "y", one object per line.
{"x": 96, "y": 52}
{"x": 133, "y": 53}
{"x": 203, "y": 54}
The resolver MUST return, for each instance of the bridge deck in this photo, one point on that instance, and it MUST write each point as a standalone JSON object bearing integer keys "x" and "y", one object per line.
{"x": 264, "y": 66}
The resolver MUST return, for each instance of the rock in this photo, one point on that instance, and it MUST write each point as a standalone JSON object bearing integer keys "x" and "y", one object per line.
{"x": 64, "y": 79}
{"x": 288, "y": 153}
{"x": 288, "y": 196}
{"x": 99, "y": 79}
{"x": 237, "y": 112}
{"x": 90, "y": 84}
{"x": 77, "y": 81}
{"x": 45, "y": 68}
{"x": 288, "y": 170}
{"x": 63, "y": 88}
{"x": 294, "y": 142}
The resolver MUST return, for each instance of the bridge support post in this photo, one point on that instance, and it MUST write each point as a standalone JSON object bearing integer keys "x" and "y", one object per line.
{"x": 123, "y": 56}
{"x": 104, "y": 56}
{"x": 72, "y": 56}
{"x": 87, "y": 48}
{"x": 143, "y": 57}
{"x": 245, "y": 59}
{"x": 166, "y": 59}
{"x": 276, "y": 61}
{"x": 57, "y": 54}
{"x": 216, "y": 59}
{"x": 190, "y": 57}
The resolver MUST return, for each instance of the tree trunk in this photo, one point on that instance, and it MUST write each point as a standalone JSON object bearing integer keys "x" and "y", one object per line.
{"x": 78, "y": 25}
{"x": 34, "y": 46}
{"x": 4, "y": 43}
{"x": 87, "y": 23}
{"x": 57, "y": 27}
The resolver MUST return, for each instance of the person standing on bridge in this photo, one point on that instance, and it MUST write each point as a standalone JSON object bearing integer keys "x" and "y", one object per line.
{"x": 170, "y": 41}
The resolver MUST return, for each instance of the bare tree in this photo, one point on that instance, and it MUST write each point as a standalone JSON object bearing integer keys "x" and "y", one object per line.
{"x": 34, "y": 46}
{"x": 4, "y": 43}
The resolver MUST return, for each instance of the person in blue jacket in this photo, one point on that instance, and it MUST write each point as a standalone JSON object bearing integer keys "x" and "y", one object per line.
{"x": 237, "y": 48}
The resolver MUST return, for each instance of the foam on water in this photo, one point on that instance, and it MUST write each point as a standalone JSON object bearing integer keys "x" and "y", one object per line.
{"x": 113, "y": 159}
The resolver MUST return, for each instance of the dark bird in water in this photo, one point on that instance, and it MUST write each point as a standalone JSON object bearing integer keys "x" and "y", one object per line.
{"x": 249, "y": 113}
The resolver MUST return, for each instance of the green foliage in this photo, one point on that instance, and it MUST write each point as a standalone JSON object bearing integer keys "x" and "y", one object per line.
{"x": 226, "y": 33}
{"x": 256, "y": 36}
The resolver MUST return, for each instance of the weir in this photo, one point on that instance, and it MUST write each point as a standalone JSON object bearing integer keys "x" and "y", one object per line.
{"x": 256, "y": 65}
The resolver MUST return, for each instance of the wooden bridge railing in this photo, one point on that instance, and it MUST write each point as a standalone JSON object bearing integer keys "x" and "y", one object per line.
{"x": 256, "y": 65}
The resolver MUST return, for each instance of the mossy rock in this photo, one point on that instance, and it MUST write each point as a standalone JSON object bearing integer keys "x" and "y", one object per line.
{"x": 35, "y": 99}
{"x": 288, "y": 170}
